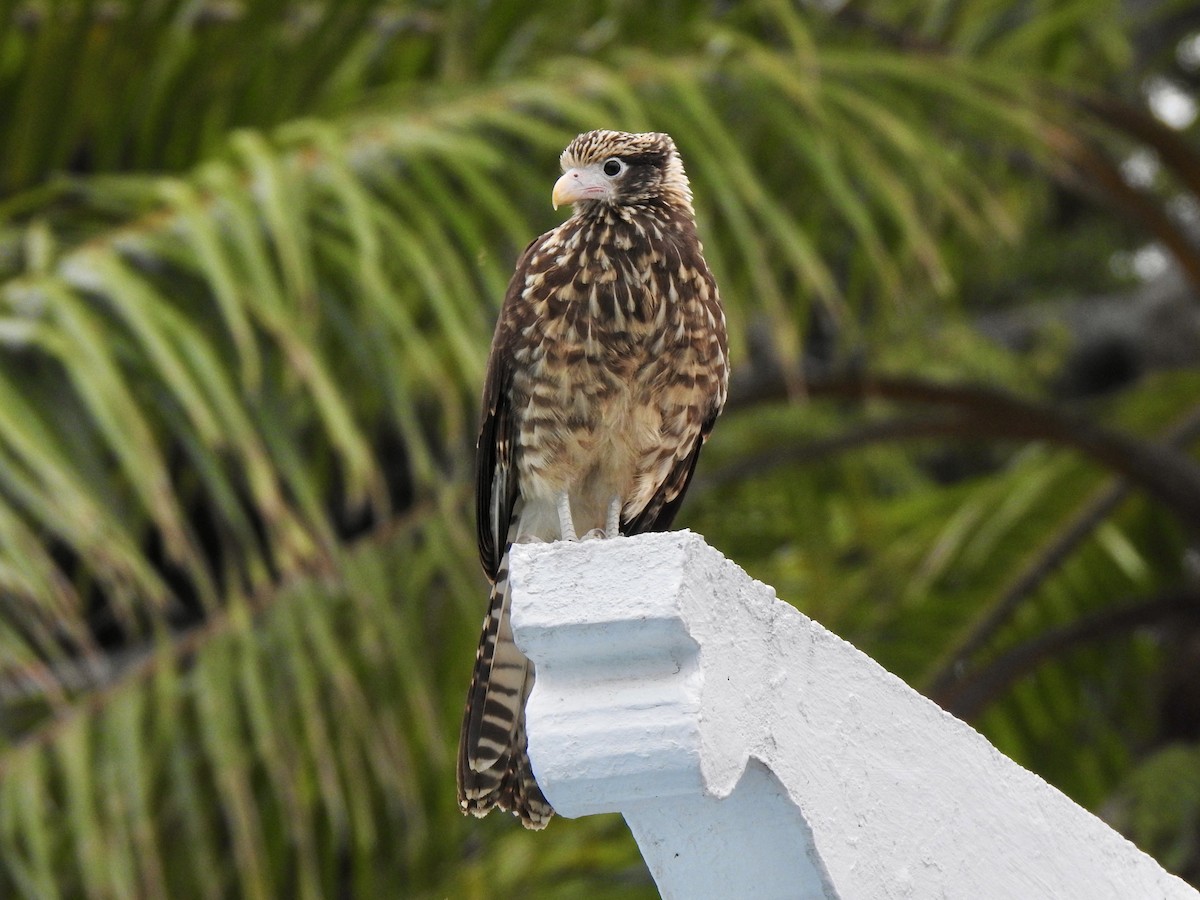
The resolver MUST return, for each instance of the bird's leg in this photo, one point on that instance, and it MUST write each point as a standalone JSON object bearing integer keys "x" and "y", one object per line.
{"x": 612, "y": 523}
{"x": 612, "y": 528}
{"x": 565, "y": 525}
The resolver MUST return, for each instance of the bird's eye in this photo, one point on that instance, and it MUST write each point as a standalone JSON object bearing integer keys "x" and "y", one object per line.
{"x": 613, "y": 167}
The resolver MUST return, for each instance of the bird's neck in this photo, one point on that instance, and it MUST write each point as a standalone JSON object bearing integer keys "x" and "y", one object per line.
{"x": 664, "y": 217}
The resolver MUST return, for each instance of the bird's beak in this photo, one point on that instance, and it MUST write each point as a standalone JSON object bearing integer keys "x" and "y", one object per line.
{"x": 580, "y": 184}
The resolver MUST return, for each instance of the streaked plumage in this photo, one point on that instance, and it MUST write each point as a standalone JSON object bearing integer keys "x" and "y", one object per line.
{"x": 607, "y": 371}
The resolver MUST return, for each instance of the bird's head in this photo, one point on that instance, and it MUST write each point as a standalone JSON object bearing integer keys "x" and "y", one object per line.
{"x": 615, "y": 168}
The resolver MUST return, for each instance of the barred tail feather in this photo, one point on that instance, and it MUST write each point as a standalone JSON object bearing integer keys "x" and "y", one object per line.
{"x": 493, "y": 767}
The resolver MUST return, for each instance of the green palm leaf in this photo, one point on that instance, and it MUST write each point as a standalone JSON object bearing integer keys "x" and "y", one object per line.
{"x": 250, "y": 256}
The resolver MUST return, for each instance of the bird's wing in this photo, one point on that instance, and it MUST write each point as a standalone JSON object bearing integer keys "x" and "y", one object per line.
{"x": 659, "y": 513}
{"x": 496, "y": 489}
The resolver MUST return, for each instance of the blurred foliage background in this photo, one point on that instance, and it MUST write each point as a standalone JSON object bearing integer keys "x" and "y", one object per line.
{"x": 250, "y": 258}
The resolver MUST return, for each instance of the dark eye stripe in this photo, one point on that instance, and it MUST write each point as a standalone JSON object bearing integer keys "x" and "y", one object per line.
{"x": 645, "y": 159}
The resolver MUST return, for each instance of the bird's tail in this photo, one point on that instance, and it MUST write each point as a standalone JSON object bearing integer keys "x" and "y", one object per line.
{"x": 493, "y": 766}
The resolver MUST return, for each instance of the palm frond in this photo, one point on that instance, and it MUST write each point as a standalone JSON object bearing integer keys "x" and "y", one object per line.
{"x": 249, "y": 260}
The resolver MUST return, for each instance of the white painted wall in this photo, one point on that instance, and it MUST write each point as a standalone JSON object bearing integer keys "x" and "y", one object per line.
{"x": 755, "y": 754}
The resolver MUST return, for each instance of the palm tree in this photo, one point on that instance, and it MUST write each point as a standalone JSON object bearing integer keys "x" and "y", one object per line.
{"x": 250, "y": 257}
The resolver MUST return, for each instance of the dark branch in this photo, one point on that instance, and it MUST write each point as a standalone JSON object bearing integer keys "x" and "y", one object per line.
{"x": 974, "y": 692}
{"x": 1169, "y": 475}
{"x": 1085, "y": 167}
{"x": 1032, "y": 576}
{"x": 900, "y": 428}
{"x": 1172, "y": 150}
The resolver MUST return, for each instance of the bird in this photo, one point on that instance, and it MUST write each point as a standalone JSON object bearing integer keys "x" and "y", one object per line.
{"x": 608, "y": 368}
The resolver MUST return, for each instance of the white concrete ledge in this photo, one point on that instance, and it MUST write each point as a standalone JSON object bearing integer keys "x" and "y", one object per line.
{"x": 755, "y": 754}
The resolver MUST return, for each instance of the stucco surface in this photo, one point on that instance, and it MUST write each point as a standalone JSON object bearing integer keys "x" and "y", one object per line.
{"x": 663, "y": 671}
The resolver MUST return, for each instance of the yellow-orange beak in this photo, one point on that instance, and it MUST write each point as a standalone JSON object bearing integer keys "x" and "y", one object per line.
{"x": 577, "y": 185}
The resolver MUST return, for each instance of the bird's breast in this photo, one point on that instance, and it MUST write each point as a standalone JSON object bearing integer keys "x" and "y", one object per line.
{"x": 613, "y": 368}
